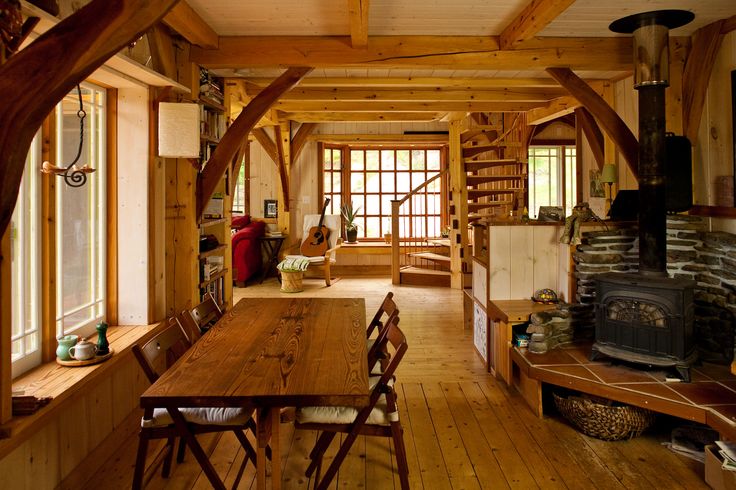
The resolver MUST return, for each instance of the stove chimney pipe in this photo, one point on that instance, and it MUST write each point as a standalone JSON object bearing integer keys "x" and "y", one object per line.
{"x": 651, "y": 77}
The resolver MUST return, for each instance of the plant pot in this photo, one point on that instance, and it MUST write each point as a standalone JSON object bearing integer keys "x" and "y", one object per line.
{"x": 351, "y": 235}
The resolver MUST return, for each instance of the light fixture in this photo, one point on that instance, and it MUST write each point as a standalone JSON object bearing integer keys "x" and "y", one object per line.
{"x": 609, "y": 175}
{"x": 178, "y": 130}
{"x": 74, "y": 176}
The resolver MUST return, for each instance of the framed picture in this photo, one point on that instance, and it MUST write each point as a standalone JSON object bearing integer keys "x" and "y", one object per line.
{"x": 270, "y": 208}
{"x": 596, "y": 186}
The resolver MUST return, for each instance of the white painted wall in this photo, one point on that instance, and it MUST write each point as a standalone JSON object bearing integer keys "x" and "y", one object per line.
{"x": 133, "y": 259}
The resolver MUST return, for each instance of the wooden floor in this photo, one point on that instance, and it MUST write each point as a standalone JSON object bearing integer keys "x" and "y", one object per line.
{"x": 463, "y": 429}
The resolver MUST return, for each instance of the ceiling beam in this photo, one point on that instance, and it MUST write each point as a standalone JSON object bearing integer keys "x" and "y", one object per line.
{"x": 410, "y": 106}
{"x": 380, "y": 116}
{"x": 616, "y": 128}
{"x": 454, "y": 52}
{"x": 380, "y": 138}
{"x": 531, "y": 21}
{"x": 238, "y": 131}
{"x": 421, "y": 95}
{"x": 184, "y": 20}
{"x": 358, "y": 11}
{"x": 556, "y": 108}
{"x": 421, "y": 82}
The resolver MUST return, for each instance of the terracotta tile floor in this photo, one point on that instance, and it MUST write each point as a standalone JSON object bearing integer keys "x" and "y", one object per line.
{"x": 709, "y": 398}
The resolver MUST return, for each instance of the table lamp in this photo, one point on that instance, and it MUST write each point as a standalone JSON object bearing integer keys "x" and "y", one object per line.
{"x": 609, "y": 175}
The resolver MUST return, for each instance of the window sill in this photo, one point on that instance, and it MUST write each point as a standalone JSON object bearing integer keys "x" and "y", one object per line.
{"x": 62, "y": 383}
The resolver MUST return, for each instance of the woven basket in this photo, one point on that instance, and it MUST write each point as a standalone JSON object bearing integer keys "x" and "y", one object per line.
{"x": 291, "y": 282}
{"x": 604, "y": 421}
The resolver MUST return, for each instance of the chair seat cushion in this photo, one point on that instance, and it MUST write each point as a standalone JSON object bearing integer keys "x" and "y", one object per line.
{"x": 345, "y": 415}
{"x": 201, "y": 416}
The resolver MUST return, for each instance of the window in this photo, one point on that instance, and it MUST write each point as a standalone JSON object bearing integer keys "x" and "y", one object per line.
{"x": 552, "y": 178}
{"x": 80, "y": 217}
{"x": 239, "y": 195}
{"x": 373, "y": 177}
{"x": 25, "y": 266}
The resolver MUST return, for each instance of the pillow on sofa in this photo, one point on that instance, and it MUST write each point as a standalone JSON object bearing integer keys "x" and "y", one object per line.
{"x": 239, "y": 222}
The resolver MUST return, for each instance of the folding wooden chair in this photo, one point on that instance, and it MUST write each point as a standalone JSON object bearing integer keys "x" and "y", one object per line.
{"x": 154, "y": 357}
{"x": 379, "y": 418}
{"x": 207, "y": 312}
{"x": 388, "y": 307}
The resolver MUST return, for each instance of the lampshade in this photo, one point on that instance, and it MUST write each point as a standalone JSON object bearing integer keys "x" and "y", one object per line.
{"x": 178, "y": 130}
{"x": 609, "y": 175}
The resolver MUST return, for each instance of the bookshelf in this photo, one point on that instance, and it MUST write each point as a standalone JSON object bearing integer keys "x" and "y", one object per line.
{"x": 215, "y": 264}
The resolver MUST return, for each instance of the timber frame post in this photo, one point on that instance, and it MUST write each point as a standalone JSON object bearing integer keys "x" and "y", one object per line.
{"x": 459, "y": 196}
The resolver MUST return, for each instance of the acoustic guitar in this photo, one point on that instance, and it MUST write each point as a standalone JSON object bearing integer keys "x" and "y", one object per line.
{"x": 315, "y": 243}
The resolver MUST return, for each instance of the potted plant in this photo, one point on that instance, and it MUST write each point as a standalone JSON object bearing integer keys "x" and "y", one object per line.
{"x": 351, "y": 227}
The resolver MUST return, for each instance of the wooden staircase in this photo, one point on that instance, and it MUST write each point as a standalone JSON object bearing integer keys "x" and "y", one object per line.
{"x": 431, "y": 268}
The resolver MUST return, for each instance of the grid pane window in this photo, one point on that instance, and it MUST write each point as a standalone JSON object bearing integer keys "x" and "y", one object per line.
{"x": 332, "y": 178}
{"x": 546, "y": 186}
{"x": 25, "y": 266}
{"x": 81, "y": 213}
{"x": 376, "y": 177}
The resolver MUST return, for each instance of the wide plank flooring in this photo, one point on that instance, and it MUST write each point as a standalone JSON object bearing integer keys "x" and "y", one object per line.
{"x": 462, "y": 428}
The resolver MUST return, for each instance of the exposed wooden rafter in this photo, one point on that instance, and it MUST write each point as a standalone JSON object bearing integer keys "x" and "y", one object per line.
{"x": 423, "y": 94}
{"x": 243, "y": 124}
{"x": 36, "y": 78}
{"x": 405, "y": 106}
{"x": 358, "y": 11}
{"x": 696, "y": 76}
{"x": 281, "y": 134}
{"x": 319, "y": 117}
{"x": 592, "y": 133}
{"x": 616, "y": 128}
{"x": 184, "y": 20}
{"x": 556, "y": 108}
{"x": 447, "y": 83}
{"x": 535, "y": 17}
{"x": 455, "y": 52}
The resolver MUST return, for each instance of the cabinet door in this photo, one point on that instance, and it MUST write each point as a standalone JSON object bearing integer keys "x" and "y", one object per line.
{"x": 480, "y": 283}
{"x": 480, "y": 332}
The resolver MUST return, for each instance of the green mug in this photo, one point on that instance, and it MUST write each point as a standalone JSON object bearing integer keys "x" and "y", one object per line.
{"x": 65, "y": 343}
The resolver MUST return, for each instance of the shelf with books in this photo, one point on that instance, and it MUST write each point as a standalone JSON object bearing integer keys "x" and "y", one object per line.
{"x": 219, "y": 250}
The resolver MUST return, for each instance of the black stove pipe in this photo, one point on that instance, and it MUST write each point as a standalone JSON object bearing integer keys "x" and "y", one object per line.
{"x": 652, "y": 204}
{"x": 651, "y": 74}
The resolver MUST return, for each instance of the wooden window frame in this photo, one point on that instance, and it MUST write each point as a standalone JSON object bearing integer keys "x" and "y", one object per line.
{"x": 562, "y": 147}
{"x": 346, "y": 194}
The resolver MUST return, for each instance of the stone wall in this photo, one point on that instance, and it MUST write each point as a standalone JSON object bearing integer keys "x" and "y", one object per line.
{"x": 709, "y": 258}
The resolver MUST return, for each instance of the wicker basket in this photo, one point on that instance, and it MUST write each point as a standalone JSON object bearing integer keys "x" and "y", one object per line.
{"x": 291, "y": 282}
{"x": 599, "y": 418}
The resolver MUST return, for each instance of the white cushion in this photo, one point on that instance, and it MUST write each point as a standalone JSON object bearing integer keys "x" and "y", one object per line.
{"x": 346, "y": 415}
{"x": 202, "y": 416}
{"x": 331, "y": 221}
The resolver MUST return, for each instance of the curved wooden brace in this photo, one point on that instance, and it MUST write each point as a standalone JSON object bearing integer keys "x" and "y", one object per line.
{"x": 243, "y": 124}
{"x": 619, "y": 132}
{"x": 36, "y": 78}
{"x": 593, "y": 134}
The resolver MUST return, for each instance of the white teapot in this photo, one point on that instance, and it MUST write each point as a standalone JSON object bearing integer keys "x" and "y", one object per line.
{"x": 83, "y": 350}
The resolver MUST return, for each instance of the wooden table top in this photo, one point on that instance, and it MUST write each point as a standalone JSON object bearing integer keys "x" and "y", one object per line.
{"x": 515, "y": 310}
{"x": 273, "y": 352}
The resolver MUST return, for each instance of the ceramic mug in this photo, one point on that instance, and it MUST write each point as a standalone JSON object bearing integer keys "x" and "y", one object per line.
{"x": 83, "y": 351}
{"x": 65, "y": 343}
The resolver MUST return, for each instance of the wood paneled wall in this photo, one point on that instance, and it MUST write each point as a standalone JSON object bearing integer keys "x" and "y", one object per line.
{"x": 82, "y": 431}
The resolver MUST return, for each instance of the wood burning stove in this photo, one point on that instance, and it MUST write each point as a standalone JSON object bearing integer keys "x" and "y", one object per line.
{"x": 647, "y": 320}
{"x": 647, "y": 317}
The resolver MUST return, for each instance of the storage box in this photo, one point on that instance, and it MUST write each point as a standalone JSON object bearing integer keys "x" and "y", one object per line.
{"x": 715, "y": 476}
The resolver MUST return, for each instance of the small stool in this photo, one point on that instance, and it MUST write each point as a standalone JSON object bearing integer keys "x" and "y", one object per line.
{"x": 291, "y": 282}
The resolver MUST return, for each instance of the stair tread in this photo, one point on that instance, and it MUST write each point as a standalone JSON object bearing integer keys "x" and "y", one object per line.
{"x": 483, "y": 205}
{"x": 430, "y": 256}
{"x": 429, "y": 272}
{"x": 445, "y": 242}
{"x": 505, "y": 161}
{"x": 476, "y": 193}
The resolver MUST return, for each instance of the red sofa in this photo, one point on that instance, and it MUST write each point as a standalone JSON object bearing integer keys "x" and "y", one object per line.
{"x": 246, "y": 247}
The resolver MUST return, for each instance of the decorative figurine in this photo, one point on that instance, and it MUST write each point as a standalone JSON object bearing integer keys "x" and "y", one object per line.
{"x": 103, "y": 346}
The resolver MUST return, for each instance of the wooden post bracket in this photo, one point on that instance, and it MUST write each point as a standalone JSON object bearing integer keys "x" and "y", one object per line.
{"x": 592, "y": 134}
{"x": 220, "y": 160}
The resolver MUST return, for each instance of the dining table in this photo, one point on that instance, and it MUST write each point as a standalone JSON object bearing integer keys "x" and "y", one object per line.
{"x": 268, "y": 354}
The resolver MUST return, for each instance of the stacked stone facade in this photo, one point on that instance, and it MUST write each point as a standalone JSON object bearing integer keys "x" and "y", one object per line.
{"x": 709, "y": 258}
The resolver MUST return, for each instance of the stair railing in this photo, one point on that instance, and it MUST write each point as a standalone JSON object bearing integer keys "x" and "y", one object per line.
{"x": 403, "y": 241}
